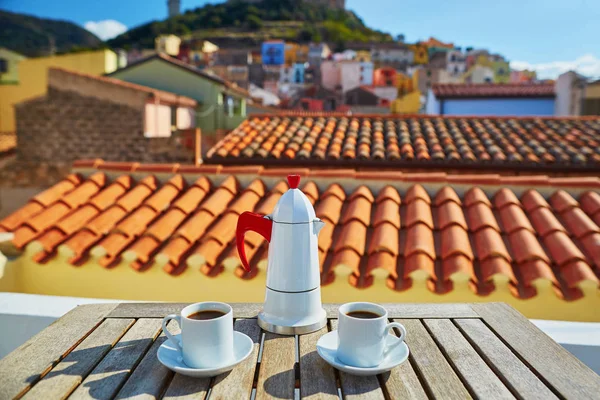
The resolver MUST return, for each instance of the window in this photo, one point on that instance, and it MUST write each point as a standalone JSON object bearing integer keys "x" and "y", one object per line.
{"x": 3, "y": 65}
{"x": 229, "y": 107}
{"x": 158, "y": 121}
{"x": 173, "y": 118}
{"x": 237, "y": 107}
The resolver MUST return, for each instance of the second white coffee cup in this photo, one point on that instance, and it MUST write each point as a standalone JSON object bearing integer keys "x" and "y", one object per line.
{"x": 362, "y": 339}
{"x": 205, "y": 343}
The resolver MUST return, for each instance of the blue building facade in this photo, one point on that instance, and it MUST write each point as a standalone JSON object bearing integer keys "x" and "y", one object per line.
{"x": 273, "y": 53}
{"x": 499, "y": 106}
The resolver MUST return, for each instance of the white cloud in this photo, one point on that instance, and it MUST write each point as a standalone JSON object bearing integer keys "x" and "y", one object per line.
{"x": 106, "y": 29}
{"x": 587, "y": 65}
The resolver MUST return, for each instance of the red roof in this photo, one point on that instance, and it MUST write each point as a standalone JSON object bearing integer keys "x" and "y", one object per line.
{"x": 528, "y": 89}
{"x": 413, "y": 141}
{"x": 482, "y": 228}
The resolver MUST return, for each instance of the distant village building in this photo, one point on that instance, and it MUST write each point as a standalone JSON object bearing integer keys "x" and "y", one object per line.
{"x": 525, "y": 99}
{"x": 174, "y": 7}
{"x": 86, "y": 116}
{"x": 168, "y": 44}
{"x": 570, "y": 94}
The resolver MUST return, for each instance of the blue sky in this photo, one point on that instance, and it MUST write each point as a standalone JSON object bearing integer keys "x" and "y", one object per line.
{"x": 549, "y": 35}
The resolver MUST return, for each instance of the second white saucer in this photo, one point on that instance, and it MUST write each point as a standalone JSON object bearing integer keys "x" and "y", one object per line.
{"x": 327, "y": 348}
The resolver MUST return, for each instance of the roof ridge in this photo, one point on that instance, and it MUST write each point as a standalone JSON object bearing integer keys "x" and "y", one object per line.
{"x": 118, "y": 82}
{"x": 532, "y": 181}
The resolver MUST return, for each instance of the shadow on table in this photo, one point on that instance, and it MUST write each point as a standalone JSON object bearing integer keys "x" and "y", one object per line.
{"x": 323, "y": 381}
{"x": 101, "y": 371}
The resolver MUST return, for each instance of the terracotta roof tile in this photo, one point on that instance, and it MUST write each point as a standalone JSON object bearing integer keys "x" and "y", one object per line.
{"x": 469, "y": 90}
{"x": 577, "y": 221}
{"x": 476, "y": 195}
{"x": 590, "y": 203}
{"x": 533, "y": 200}
{"x": 513, "y": 218}
{"x": 545, "y": 222}
{"x": 419, "y": 239}
{"x": 562, "y": 249}
{"x": 489, "y": 244}
{"x": 412, "y": 141}
{"x": 388, "y": 211}
{"x": 525, "y": 247}
{"x": 563, "y": 201}
{"x": 416, "y": 234}
{"x": 481, "y": 216}
{"x": 450, "y": 213}
{"x": 455, "y": 241}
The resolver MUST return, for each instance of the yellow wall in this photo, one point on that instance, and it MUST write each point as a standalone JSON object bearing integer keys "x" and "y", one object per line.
{"x": 592, "y": 91}
{"x": 421, "y": 53}
{"x": 122, "y": 282}
{"x": 407, "y": 104}
{"x": 33, "y": 78}
{"x": 12, "y": 59}
{"x": 363, "y": 55}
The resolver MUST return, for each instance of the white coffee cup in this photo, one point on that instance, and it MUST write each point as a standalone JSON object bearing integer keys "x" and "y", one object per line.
{"x": 204, "y": 343}
{"x": 362, "y": 341}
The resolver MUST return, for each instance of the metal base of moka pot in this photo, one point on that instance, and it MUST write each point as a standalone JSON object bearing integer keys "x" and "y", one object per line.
{"x": 288, "y": 313}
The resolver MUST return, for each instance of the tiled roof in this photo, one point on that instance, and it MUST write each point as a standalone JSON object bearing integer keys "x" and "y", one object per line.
{"x": 413, "y": 140}
{"x": 523, "y": 233}
{"x": 166, "y": 97}
{"x": 527, "y": 89}
{"x": 8, "y": 142}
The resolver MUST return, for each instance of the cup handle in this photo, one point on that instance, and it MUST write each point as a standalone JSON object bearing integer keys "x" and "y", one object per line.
{"x": 171, "y": 337}
{"x": 387, "y": 330}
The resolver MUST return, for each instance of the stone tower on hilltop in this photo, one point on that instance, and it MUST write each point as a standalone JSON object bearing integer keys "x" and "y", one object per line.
{"x": 334, "y": 4}
{"x": 174, "y": 7}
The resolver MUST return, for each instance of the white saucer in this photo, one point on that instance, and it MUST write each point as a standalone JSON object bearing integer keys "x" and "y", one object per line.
{"x": 170, "y": 357}
{"x": 327, "y": 348}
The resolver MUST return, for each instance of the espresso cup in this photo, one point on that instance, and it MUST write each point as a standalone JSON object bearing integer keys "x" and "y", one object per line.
{"x": 362, "y": 341}
{"x": 205, "y": 343}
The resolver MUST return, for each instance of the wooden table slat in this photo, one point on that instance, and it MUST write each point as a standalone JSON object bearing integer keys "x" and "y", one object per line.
{"x": 28, "y": 363}
{"x": 402, "y": 383}
{"x": 250, "y": 310}
{"x": 108, "y": 376}
{"x": 559, "y": 368}
{"x": 149, "y": 378}
{"x": 440, "y": 379}
{"x": 507, "y": 366}
{"x": 71, "y": 371}
{"x": 477, "y": 375}
{"x": 277, "y": 376}
{"x": 317, "y": 378}
{"x": 237, "y": 384}
{"x": 184, "y": 387}
{"x": 358, "y": 387}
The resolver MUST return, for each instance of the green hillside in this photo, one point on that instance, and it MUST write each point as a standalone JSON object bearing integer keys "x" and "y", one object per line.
{"x": 238, "y": 23}
{"x": 32, "y": 36}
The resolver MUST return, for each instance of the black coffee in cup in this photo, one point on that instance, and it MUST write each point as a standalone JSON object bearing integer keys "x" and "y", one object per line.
{"x": 363, "y": 314}
{"x": 206, "y": 314}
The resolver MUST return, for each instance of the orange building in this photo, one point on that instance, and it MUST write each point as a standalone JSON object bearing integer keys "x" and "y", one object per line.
{"x": 385, "y": 76}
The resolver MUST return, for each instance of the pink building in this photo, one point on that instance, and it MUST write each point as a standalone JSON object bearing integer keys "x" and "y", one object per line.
{"x": 331, "y": 75}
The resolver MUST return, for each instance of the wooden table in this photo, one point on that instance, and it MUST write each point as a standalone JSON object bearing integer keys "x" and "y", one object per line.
{"x": 457, "y": 351}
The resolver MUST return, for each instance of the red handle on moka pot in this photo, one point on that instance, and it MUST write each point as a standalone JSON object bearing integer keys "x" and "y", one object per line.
{"x": 250, "y": 221}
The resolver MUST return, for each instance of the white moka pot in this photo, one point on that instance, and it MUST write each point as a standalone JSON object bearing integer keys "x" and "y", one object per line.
{"x": 293, "y": 297}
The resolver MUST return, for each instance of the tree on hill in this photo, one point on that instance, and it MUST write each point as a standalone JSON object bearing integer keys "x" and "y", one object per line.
{"x": 325, "y": 23}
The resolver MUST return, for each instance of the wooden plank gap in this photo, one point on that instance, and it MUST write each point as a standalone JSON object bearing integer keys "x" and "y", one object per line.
{"x": 478, "y": 377}
{"x": 526, "y": 363}
{"x": 517, "y": 376}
